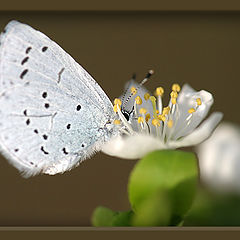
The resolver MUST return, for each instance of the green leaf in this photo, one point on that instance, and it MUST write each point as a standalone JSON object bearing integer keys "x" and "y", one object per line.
{"x": 154, "y": 210}
{"x": 123, "y": 219}
{"x": 212, "y": 209}
{"x": 169, "y": 170}
{"x": 105, "y": 217}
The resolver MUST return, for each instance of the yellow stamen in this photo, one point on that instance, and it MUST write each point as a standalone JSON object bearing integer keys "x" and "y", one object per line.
{"x": 140, "y": 119}
{"x": 155, "y": 122}
{"x": 166, "y": 110}
{"x": 162, "y": 118}
{"x": 117, "y": 101}
{"x": 174, "y": 94}
{"x": 146, "y": 96}
{"x": 170, "y": 123}
{"x": 133, "y": 90}
{"x": 199, "y": 101}
{"x": 176, "y": 87}
{"x": 142, "y": 111}
{"x": 138, "y": 100}
{"x": 116, "y": 122}
{"x": 148, "y": 116}
{"x": 153, "y": 100}
{"x": 159, "y": 91}
{"x": 174, "y": 100}
{"x": 157, "y": 112}
{"x": 115, "y": 108}
{"x": 191, "y": 110}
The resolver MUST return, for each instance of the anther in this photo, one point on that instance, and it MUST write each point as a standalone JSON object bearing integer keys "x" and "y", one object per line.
{"x": 174, "y": 100}
{"x": 159, "y": 91}
{"x": 152, "y": 98}
{"x": 133, "y": 90}
{"x": 191, "y": 110}
{"x": 176, "y": 87}
{"x": 140, "y": 119}
{"x": 170, "y": 123}
{"x": 138, "y": 100}
{"x": 148, "y": 116}
{"x": 199, "y": 101}
{"x": 174, "y": 94}
{"x": 162, "y": 118}
{"x": 116, "y": 122}
{"x": 117, "y": 101}
{"x": 142, "y": 111}
{"x": 166, "y": 110}
{"x": 155, "y": 122}
{"x": 146, "y": 96}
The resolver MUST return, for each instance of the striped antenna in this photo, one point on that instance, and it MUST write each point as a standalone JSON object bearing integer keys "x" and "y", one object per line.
{"x": 149, "y": 74}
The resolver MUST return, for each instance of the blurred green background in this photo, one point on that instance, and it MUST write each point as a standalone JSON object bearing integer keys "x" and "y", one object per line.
{"x": 201, "y": 49}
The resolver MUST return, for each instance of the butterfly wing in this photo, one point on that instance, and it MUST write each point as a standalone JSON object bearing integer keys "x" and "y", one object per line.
{"x": 53, "y": 114}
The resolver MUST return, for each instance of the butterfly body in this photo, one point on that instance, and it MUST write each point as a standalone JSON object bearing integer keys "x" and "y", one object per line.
{"x": 53, "y": 114}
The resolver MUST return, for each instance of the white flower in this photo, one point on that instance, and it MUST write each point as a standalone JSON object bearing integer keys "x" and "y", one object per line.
{"x": 145, "y": 125}
{"x": 219, "y": 159}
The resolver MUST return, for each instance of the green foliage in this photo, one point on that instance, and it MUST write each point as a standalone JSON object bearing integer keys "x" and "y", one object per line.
{"x": 154, "y": 210}
{"x": 161, "y": 190}
{"x": 104, "y": 217}
{"x": 212, "y": 209}
{"x": 174, "y": 172}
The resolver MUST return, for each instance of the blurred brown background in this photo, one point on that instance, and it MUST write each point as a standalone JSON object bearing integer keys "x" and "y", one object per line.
{"x": 202, "y": 49}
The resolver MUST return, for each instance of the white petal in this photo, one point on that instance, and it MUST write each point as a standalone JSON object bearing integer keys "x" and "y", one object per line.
{"x": 132, "y": 147}
{"x": 186, "y": 100}
{"x": 219, "y": 159}
{"x": 201, "y": 133}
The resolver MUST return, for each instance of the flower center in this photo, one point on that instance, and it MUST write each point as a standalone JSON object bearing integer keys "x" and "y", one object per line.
{"x": 150, "y": 117}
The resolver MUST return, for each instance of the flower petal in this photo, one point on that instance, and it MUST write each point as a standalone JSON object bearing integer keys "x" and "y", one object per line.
{"x": 132, "y": 147}
{"x": 219, "y": 159}
{"x": 199, "y": 134}
{"x": 186, "y": 100}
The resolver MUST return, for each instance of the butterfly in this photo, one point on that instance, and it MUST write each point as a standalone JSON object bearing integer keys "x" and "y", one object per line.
{"x": 53, "y": 114}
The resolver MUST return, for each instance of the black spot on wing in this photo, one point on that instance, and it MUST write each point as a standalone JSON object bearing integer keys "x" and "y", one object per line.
{"x": 28, "y": 121}
{"x": 43, "y": 150}
{"x": 24, "y": 60}
{"x": 45, "y": 137}
{"x": 64, "y": 151}
{"x": 28, "y": 50}
{"x": 78, "y": 107}
{"x": 46, "y": 105}
{"x": 59, "y": 75}
{"x": 44, "y": 94}
{"x": 24, "y": 72}
{"x": 44, "y": 49}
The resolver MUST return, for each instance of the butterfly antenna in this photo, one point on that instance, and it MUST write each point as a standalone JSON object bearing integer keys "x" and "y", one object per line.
{"x": 149, "y": 74}
{"x": 125, "y": 92}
